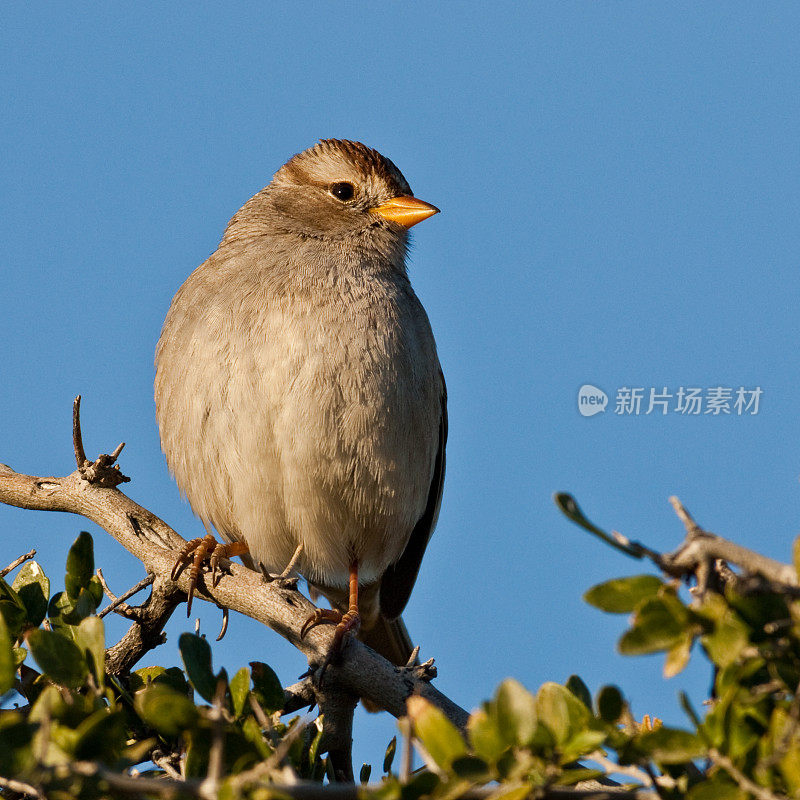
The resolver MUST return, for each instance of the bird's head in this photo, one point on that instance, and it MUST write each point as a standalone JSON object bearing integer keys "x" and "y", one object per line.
{"x": 335, "y": 189}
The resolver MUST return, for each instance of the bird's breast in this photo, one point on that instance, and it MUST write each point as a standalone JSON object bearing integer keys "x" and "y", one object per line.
{"x": 308, "y": 416}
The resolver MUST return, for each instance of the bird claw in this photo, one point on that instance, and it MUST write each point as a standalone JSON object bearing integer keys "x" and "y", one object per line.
{"x": 345, "y": 623}
{"x": 198, "y": 551}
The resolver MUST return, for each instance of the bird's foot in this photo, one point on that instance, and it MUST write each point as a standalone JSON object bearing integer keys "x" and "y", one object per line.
{"x": 200, "y": 551}
{"x": 345, "y": 623}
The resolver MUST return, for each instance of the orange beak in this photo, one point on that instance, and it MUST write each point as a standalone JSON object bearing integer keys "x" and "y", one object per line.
{"x": 405, "y": 210}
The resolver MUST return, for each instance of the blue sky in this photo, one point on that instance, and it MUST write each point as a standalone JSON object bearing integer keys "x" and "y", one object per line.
{"x": 620, "y": 188}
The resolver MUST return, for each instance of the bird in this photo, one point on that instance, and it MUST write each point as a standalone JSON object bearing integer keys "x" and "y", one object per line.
{"x": 299, "y": 396}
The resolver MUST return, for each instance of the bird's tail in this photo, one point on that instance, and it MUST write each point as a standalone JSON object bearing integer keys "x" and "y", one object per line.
{"x": 390, "y": 638}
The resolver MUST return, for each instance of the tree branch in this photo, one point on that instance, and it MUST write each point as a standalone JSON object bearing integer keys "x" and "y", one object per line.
{"x": 695, "y": 553}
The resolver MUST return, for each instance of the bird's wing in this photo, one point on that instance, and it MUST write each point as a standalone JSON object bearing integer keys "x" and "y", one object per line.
{"x": 399, "y": 578}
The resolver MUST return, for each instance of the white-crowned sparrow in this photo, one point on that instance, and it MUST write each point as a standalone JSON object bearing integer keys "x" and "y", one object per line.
{"x": 299, "y": 394}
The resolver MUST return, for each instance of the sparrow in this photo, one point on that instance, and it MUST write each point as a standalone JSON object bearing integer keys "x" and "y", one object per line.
{"x": 300, "y": 401}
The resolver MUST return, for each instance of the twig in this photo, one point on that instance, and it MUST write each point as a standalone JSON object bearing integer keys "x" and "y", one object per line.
{"x": 210, "y": 786}
{"x": 163, "y": 760}
{"x": 102, "y": 470}
{"x": 744, "y": 782}
{"x": 261, "y": 717}
{"x": 692, "y": 528}
{"x": 272, "y": 766}
{"x": 613, "y": 768}
{"x": 700, "y": 548}
{"x": 16, "y": 562}
{"x": 407, "y": 753}
{"x": 77, "y": 436}
{"x": 22, "y": 788}
{"x": 146, "y": 632}
{"x": 118, "y": 603}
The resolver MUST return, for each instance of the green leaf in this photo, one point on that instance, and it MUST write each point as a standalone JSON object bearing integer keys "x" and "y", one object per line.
{"x": 552, "y": 711}
{"x": 363, "y": 775}
{"x": 266, "y": 687}
{"x": 20, "y": 654}
{"x": 730, "y": 635}
{"x": 166, "y": 710}
{"x": 33, "y": 588}
{"x": 61, "y": 613}
{"x": 484, "y": 735}
{"x": 610, "y": 703}
{"x": 90, "y": 638}
{"x": 196, "y": 655}
{"x": 16, "y": 757}
{"x": 660, "y": 623}
{"x": 388, "y": 757}
{"x": 172, "y": 677}
{"x": 671, "y": 745}
{"x": 471, "y": 768}
{"x": 678, "y": 656}
{"x": 623, "y": 595}
{"x": 422, "y": 784}
{"x": 240, "y": 688}
{"x": 580, "y": 690}
{"x": 252, "y": 732}
{"x": 718, "y": 787}
{"x": 515, "y": 712}
{"x": 572, "y": 776}
{"x": 560, "y": 711}
{"x": 789, "y": 766}
{"x": 440, "y": 738}
{"x": 101, "y": 737}
{"x": 7, "y": 660}
{"x": 80, "y": 565}
{"x": 581, "y": 744}
{"x": 13, "y": 610}
{"x": 60, "y": 659}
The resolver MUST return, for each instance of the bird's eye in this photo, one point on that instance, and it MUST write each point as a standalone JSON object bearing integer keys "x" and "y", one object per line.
{"x": 342, "y": 191}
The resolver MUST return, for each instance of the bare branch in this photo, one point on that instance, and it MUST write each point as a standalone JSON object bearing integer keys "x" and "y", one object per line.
{"x": 146, "y": 632}
{"x": 299, "y": 695}
{"x": 118, "y": 603}
{"x": 21, "y": 788}
{"x": 77, "y": 437}
{"x": 16, "y": 562}
{"x": 630, "y": 771}
{"x": 698, "y": 552}
{"x": 761, "y": 792}
{"x": 337, "y": 708}
{"x": 706, "y": 546}
{"x": 210, "y": 786}
{"x": 101, "y": 471}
